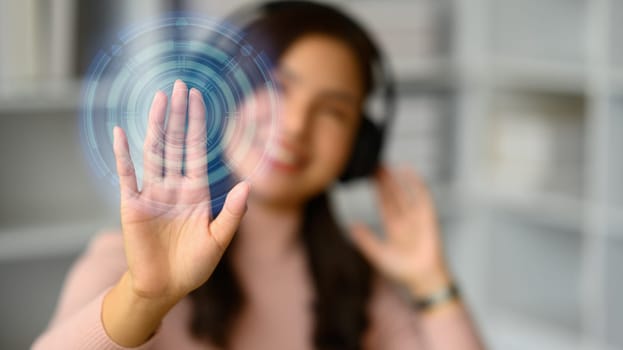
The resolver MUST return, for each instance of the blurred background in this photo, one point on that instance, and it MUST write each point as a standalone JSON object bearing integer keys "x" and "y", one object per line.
{"x": 512, "y": 110}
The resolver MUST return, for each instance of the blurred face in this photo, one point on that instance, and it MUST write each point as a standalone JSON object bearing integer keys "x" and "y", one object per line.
{"x": 320, "y": 101}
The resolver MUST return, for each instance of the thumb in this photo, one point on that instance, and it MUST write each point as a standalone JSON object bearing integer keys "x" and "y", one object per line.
{"x": 225, "y": 224}
{"x": 125, "y": 168}
{"x": 367, "y": 241}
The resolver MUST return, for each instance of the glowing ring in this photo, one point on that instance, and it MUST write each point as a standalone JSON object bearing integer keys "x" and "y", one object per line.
{"x": 208, "y": 55}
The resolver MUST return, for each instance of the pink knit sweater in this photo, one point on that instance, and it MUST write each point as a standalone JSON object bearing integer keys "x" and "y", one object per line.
{"x": 276, "y": 318}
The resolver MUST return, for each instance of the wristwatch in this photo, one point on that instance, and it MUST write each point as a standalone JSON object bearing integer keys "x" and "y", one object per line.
{"x": 441, "y": 296}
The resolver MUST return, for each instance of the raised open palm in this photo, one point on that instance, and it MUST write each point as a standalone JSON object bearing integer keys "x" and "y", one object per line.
{"x": 412, "y": 251}
{"x": 171, "y": 244}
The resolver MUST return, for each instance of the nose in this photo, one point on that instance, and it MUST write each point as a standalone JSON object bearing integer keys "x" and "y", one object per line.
{"x": 296, "y": 117}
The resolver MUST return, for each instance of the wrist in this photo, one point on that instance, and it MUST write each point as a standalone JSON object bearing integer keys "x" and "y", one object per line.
{"x": 138, "y": 297}
{"x": 441, "y": 298}
{"x": 130, "y": 319}
{"x": 427, "y": 284}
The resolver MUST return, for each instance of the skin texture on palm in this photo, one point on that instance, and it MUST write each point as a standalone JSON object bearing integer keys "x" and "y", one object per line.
{"x": 171, "y": 243}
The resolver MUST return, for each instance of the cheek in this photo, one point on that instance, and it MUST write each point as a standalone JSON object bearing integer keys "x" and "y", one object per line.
{"x": 246, "y": 137}
{"x": 332, "y": 147}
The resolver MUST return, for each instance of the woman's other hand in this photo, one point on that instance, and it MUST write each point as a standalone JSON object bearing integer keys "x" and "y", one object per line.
{"x": 411, "y": 252}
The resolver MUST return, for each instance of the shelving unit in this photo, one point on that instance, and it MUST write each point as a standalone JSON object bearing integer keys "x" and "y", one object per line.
{"x": 535, "y": 127}
{"x": 36, "y": 242}
{"x": 40, "y": 97}
{"x": 512, "y": 110}
{"x": 541, "y": 62}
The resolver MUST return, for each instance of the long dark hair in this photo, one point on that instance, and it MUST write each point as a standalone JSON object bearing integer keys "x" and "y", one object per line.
{"x": 340, "y": 274}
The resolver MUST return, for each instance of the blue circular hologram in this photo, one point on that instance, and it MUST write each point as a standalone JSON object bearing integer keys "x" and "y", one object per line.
{"x": 211, "y": 56}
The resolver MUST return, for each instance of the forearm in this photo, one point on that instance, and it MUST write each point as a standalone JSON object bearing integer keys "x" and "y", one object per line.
{"x": 130, "y": 320}
{"x": 447, "y": 325}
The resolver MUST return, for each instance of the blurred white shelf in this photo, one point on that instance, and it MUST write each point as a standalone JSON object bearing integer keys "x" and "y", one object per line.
{"x": 432, "y": 72}
{"x": 615, "y": 218}
{"x": 505, "y": 72}
{"x": 616, "y": 81}
{"x": 510, "y": 331}
{"x": 536, "y": 75}
{"x": 357, "y": 201}
{"x": 560, "y": 211}
{"x": 26, "y": 97}
{"x": 27, "y": 243}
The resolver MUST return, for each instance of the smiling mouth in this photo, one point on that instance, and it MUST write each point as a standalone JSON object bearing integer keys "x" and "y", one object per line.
{"x": 281, "y": 157}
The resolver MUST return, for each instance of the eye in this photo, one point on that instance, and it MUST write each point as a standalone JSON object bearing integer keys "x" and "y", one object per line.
{"x": 333, "y": 111}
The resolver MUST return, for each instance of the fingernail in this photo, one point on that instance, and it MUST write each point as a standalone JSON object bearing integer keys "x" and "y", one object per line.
{"x": 245, "y": 187}
{"x": 236, "y": 194}
{"x": 179, "y": 84}
{"x": 195, "y": 92}
{"x": 116, "y": 133}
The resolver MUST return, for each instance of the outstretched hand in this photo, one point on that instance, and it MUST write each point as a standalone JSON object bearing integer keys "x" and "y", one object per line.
{"x": 171, "y": 243}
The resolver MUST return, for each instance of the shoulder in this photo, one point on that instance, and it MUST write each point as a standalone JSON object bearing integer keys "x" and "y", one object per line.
{"x": 105, "y": 242}
{"x": 103, "y": 255}
{"x": 101, "y": 263}
{"x": 99, "y": 267}
{"x": 105, "y": 252}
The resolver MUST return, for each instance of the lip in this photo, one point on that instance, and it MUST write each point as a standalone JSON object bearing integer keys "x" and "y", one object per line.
{"x": 295, "y": 150}
{"x": 281, "y": 166}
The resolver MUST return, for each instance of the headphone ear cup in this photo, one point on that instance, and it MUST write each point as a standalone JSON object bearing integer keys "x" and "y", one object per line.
{"x": 366, "y": 151}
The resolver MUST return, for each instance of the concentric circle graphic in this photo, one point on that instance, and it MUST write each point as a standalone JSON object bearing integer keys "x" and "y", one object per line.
{"x": 208, "y": 55}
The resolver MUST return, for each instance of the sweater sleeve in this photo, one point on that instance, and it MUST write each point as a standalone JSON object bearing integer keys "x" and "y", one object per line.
{"x": 393, "y": 322}
{"x": 77, "y": 322}
{"x": 396, "y": 325}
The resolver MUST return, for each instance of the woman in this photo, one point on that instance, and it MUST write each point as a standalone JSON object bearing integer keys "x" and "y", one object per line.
{"x": 290, "y": 279}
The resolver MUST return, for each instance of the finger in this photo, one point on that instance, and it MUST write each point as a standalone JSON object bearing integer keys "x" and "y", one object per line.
{"x": 396, "y": 189}
{"x": 125, "y": 167}
{"x": 369, "y": 244}
{"x": 196, "y": 162}
{"x": 421, "y": 196}
{"x": 153, "y": 148}
{"x": 174, "y": 134}
{"x": 226, "y": 223}
{"x": 390, "y": 208}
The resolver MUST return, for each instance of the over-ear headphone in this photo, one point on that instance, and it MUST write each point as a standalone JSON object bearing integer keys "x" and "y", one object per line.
{"x": 370, "y": 138}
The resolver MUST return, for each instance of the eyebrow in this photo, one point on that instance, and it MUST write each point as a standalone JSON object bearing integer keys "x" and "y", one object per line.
{"x": 334, "y": 94}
